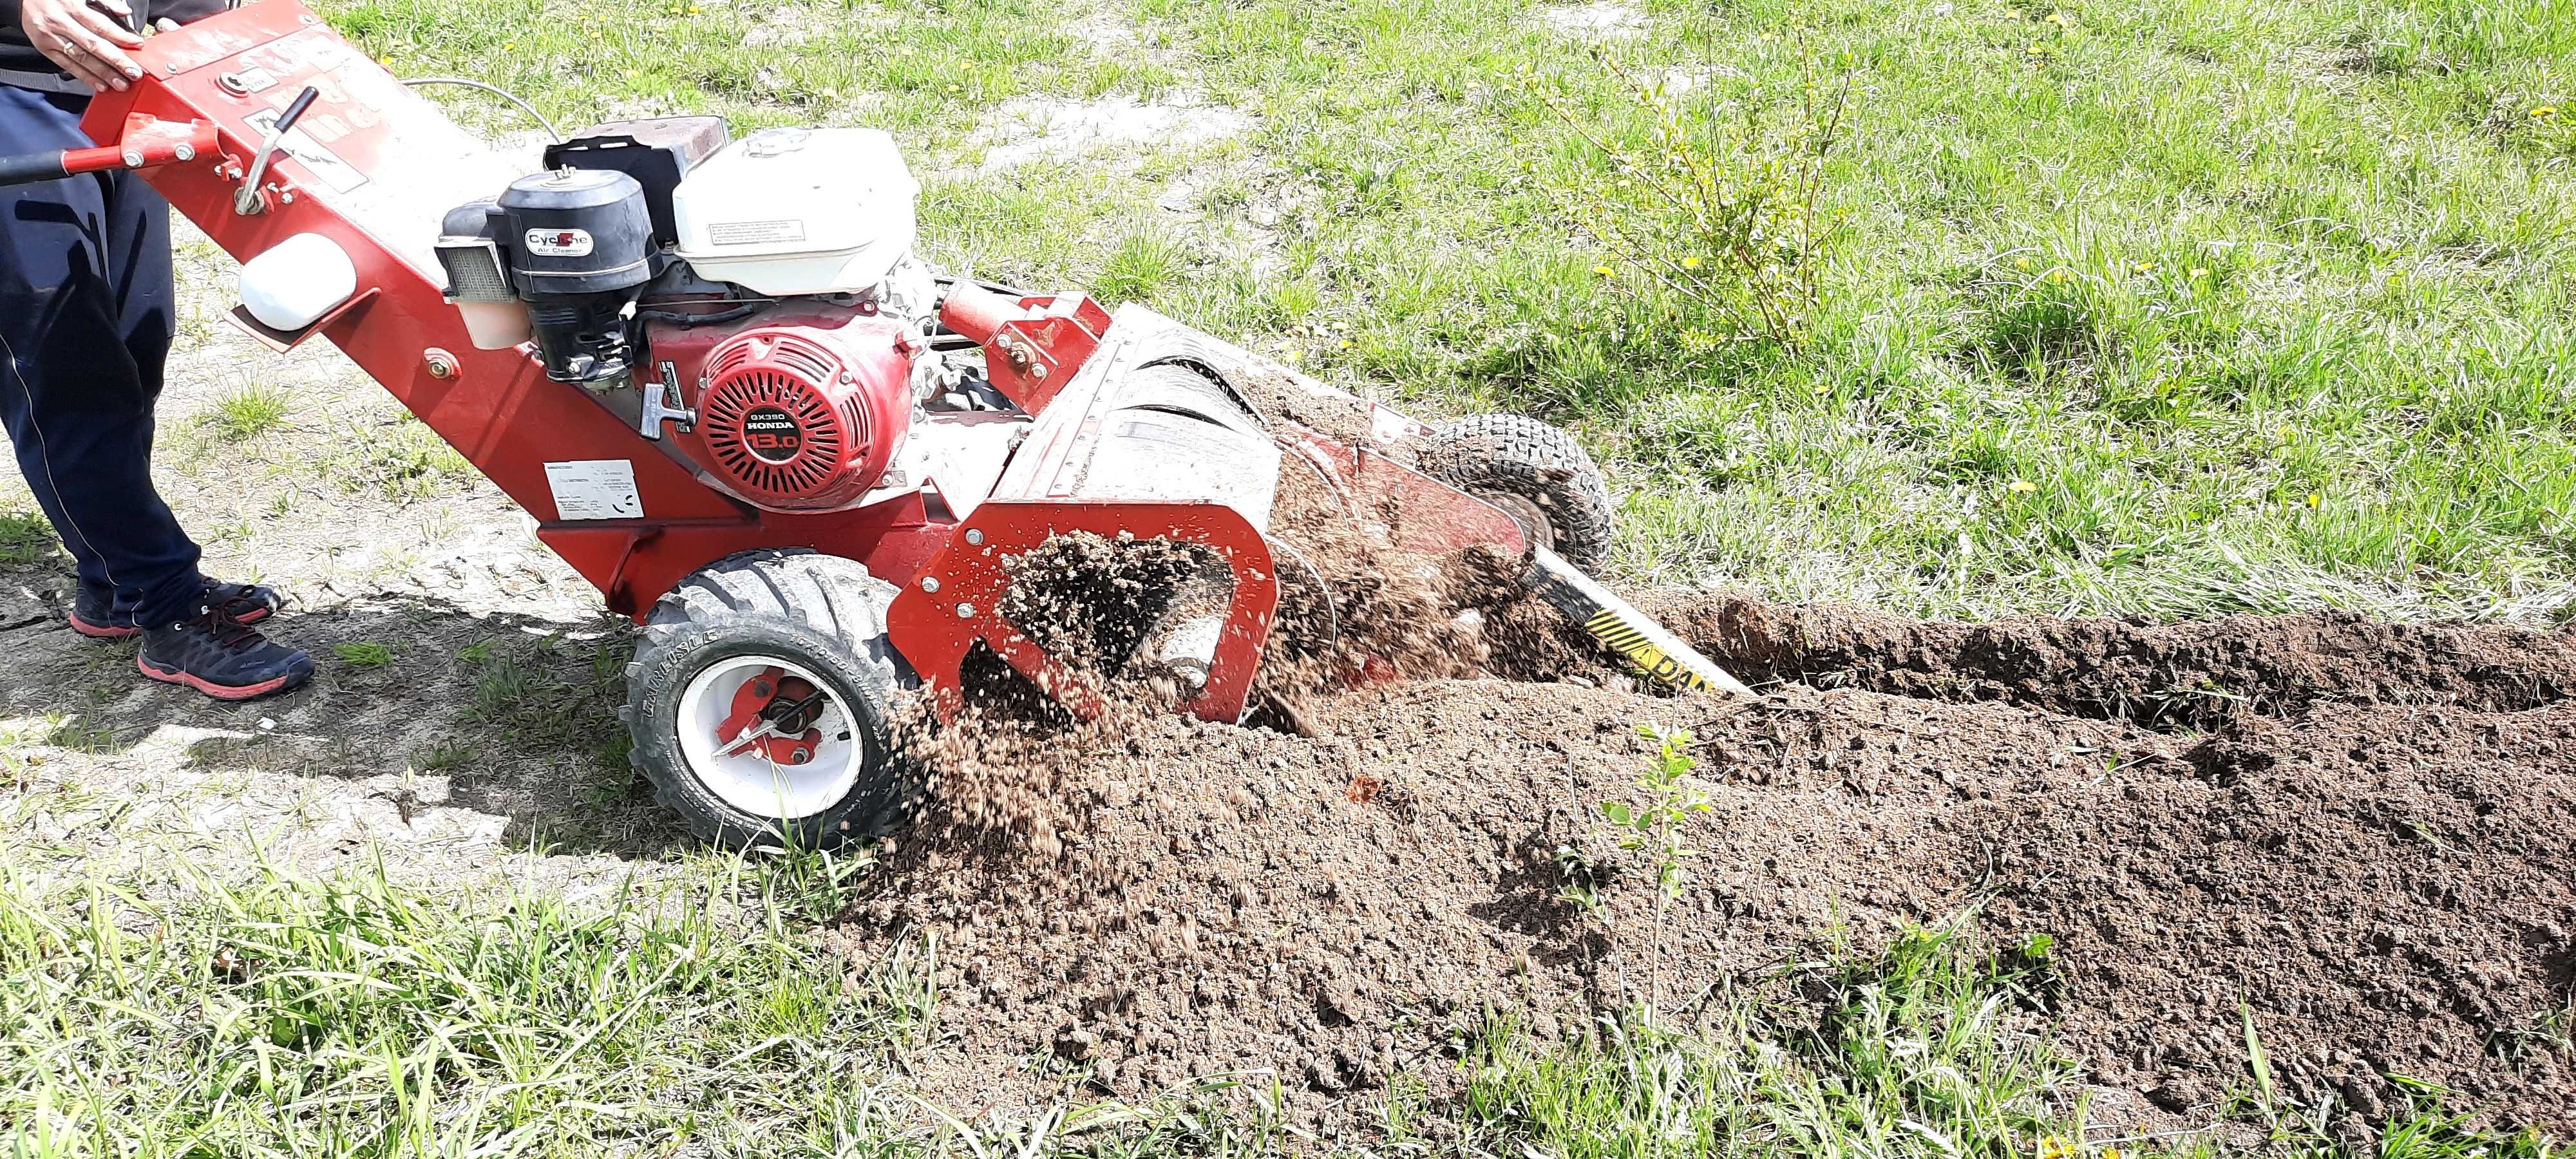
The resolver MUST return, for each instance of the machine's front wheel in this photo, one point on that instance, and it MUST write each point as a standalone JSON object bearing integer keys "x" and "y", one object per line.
{"x": 1536, "y": 473}
{"x": 761, "y": 702}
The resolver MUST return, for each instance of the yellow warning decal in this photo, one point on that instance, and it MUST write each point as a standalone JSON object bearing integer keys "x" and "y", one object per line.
{"x": 1612, "y": 629}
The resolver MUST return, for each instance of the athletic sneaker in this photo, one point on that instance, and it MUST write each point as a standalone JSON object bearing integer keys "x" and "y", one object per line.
{"x": 221, "y": 657}
{"x": 95, "y": 614}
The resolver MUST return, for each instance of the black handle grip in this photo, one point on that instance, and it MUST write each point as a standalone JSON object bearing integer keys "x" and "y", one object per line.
{"x": 295, "y": 109}
{"x": 28, "y": 168}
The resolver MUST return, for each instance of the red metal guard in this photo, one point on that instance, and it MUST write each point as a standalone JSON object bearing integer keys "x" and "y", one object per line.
{"x": 1035, "y": 344}
{"x": 957, "y": 598}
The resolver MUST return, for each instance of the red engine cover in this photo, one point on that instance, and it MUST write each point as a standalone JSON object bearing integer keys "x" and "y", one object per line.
{"x": 805, "y": 418}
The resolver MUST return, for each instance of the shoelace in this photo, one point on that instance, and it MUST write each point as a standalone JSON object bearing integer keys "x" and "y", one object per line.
{"x": 230, "y": 634}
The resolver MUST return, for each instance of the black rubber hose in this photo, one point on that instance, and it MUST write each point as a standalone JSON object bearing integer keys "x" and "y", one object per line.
{"x": 28, "y": 168}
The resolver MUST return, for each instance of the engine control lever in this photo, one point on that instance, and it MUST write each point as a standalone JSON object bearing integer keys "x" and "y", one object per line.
{"x": 247, "y": 200}
{"x": 649, "y": 424}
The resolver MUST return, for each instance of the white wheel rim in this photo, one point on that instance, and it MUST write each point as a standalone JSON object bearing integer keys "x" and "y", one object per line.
{"x": 748, "y": 779}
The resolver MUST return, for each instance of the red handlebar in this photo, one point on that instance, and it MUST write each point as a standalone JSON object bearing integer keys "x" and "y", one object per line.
{"x": 148, "y": 142}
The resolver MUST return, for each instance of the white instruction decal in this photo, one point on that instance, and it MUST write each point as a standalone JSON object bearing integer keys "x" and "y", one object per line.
{"x": 595, "y": 489}
{"x": 755, "y": 232}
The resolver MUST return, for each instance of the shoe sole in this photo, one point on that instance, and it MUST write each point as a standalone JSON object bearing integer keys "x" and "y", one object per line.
{"x": 100, "y": 631}
{"x": 221, "y": 691}
{"x": 114, "y": 632}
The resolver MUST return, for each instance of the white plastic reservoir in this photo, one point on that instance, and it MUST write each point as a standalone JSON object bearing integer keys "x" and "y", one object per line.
{"x": 297, "y": 281}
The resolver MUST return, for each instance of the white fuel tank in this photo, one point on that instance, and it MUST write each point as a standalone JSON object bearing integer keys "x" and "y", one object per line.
{"x": 798, "y": 211}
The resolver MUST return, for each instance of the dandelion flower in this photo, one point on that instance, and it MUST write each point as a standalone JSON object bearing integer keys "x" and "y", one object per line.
{"x": 2200, "y": 271}
{"x": 2025, "y": 487}
{"x": 2057, "y": 18}
{"x": 2058, "y": 276}
{"x": 2022, "y": 262}
{"x": 2545, "y": 112}
{"x": 1691, "y": 262}
{"x": 2314, "y": 499}
{"x": 1604, "y": 271}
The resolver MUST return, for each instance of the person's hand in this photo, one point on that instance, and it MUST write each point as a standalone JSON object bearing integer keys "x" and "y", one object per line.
{"x": 84, "y": 40}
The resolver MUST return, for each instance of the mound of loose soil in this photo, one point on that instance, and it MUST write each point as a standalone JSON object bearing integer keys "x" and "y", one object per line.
{"x": 2377, "y": 860}
{"x": 2191, "y": 675}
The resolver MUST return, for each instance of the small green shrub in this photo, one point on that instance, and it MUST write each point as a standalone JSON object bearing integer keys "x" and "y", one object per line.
{"x": 247, "y": 413}
{"x": 1723, "y": 206}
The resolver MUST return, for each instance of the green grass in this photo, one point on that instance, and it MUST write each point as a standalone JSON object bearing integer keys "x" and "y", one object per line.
{"x": 401, "y": 460}
{"x": 247, "y": 413}
{"x": 363, "y": 654}
{"x": 352, "y": 1015}
{"x": 26, "y": 537}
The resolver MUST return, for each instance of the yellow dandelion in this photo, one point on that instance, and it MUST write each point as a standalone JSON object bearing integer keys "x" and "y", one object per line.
{"x": 1604, "y": 271}
{"x": 2025, "y": 487}
{"x": 2314, "y": 499}
{"x": 2545, "y": 112}
{"x": 2035, "y": 50}
{"x": 2021, "y": 263}
{"x": 1346, "y": 343}
{"x": 2057, "y": 18}
{"x": 2052, "y": 1147}
{"x": 2058, "y": 276}
{"x": 2200, "y": 271}
{"x": 2146, "y": 267}
{"x": 1691, "y": 262}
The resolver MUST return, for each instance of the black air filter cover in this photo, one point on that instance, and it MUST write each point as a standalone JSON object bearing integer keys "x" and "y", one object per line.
{"x": 657, "y": 152}
{"x": 576, "y": 231}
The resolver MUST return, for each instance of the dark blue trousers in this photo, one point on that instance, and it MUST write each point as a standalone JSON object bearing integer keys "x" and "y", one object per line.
{"x": 87, "y": 313}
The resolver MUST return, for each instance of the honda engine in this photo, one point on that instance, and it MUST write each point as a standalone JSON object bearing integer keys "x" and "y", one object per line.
{"x": 759, "y": 295}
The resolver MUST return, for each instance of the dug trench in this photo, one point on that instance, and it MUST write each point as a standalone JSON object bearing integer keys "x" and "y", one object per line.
{"x": 2358, "y": 837}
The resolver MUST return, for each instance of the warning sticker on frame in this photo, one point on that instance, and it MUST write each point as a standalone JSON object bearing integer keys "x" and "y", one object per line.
{"x": 595, "y": 489}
